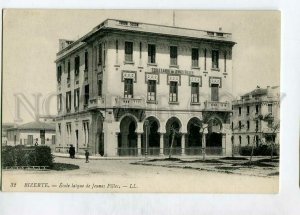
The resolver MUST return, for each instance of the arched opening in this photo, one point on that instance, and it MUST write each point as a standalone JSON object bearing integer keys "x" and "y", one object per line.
{"x": 214, "y": 137}
{"x": 127, "y": 139}
{"x": 153, "y": 137}
{"x": 173, "y": 135}
{"x": 194, "y": 137}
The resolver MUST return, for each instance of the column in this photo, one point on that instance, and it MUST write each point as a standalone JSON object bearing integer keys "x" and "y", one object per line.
{"x": 204, "y": 142}
{"x": 183, "y": 144}
{"x": 139, "y": 144}
{"x": 223, "y": 144}
{"x": 161, "y": 144}
{"x": 116, "y": 140}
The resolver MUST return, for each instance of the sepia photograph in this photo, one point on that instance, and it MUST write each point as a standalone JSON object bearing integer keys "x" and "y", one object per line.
{"x": 141, "y": 101}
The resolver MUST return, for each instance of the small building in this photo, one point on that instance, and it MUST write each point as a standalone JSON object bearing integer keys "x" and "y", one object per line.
{"x": 33, "y": 133}
{"x": 4, "y": 128}
{"x": 256, "y": 117}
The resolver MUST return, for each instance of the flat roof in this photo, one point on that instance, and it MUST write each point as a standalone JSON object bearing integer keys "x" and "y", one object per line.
{"x": 140, "y": 27}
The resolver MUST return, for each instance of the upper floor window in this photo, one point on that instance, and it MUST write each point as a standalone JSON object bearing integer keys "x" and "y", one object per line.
{"x": 215, "y": 59}
{"x": 248, "y": 125}
{"x": 86, "y": 94}
{"x": 270, "y": 107}
{"x": 86, "y": 61}
{"x": 151, "y": 53}
{"x": 256, "y": 109}
{"x": 173, "y": 55}
{"x": 256, "y": 125}
{"x": 195, "y": 57}
{"x": 214, "y": 92}
{"x": 77, "y": 64}
{"x": 240, "y": 110}
{"x": 151, "y": 90}
{"x": 173, "y": 91}
{"x": 195, "y": 92}
{"x": 59, "y": 102}
{"x": 69, "y": 70}
{"x": 248, "y": 110}
{"x": 128, "y": 88}
{"x": 59, "y": 73}
{"x": 248, "y": 139}
{"x": 100, "y": 54}
{"x": 76, "y": 98}
{"x": 68, "y": 101}
{"x": 128, "y": 51}
{"x": 100, "y": 88}
{"x": 240, "y": 125}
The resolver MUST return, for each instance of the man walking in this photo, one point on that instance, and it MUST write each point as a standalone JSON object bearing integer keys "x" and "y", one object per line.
{"x": 87, "y": 154}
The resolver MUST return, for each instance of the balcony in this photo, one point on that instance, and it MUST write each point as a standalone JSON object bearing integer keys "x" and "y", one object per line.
{"x": 135, "y": 103}
{"x": 98, "y": 102}
{"x": 216, "y": 106}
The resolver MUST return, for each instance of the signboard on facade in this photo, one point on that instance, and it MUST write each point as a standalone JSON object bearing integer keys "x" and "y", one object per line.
{"x": 171, "y": 71}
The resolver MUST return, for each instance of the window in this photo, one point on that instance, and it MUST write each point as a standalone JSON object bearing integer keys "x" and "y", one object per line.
{"x": 270, "y": 124}
{"x": 68, "y": 101}
{"x": 86, "y": 95}
{"x": 214, "y": 92}
{"x": 256, "y": 109}
{"x": 151, "y": 90}
{"x": 86, "y": 132}
{"x": 173, "y": 91}
{"x": 240, "y": 125}
{"x": 248, "y": 139}
{"x": 151, "y": 53}
{"x": 69, "y": 71}
{"x": 225, "y": 58}
{"x": 86, "y": 61}
{"x": 248, "y": 110}
{"x": 59, "y": 102}
{"x": 53, "y": 139}
{"x": 69, "y": 133}
{"x": 76, "y": 98}
{"x": 77, "y": 63}
{"x": 59, "y": 74}
{"x": 141, "y": 49}
{"x": 215, "y": 59}
{"x": 256, "y": 125}
{"x": 104, "y": 54}
{"x": 257, "y": 140}
{"x": 59, "y": 128}
{"x": 173, "y": 55}
{"x": 205, "y": 53}
{"x": 195, "y": 92}
{"x": 128, "y": 88}
{"x": 100, "y": 88}
{"x": 128, "y": 51}
{"x": 240, "y": 110}
{"x": 270, "y": 108}
{"x": 195, "y": 57}
{"x": 240, "y": 140}
{"x": 30, "y": 139}
{"x": 248, "y": 125}
{"x": 100, "y": 54}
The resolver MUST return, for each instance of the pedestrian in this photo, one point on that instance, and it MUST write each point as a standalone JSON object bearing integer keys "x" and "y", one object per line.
{"x": 87, "y": 154}
{"x": 72, "y": 151}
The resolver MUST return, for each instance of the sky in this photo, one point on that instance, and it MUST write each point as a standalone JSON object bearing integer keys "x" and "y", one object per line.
{"x": 30, "y": 44}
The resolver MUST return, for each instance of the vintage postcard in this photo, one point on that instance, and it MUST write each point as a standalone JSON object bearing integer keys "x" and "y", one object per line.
{"x": 167, "y": 101}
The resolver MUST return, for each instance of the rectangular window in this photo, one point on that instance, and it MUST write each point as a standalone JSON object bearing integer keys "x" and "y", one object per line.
{"x": 59, "y": 102}
{"x": 30, "y": 139}
{"x": 256, "y": 125}
{"x": 240, "y": 110}
{"x": 151, "y": 53}
{"x": 76, "y": 98}
{"x": 214, "y": 92}
{"x": 86, "y": 61}
{"x": 128, "y": 88}
{"x": 100, "y": 88}
{"x": 215, "y": 59}
{"x": 270, "y": 108}
{"x": 195, "y": 92}
{"x": 69, "y": 71}
{"x": 141, "y": 47}
{"x": 104, "y": 54}
{"x": 86, "y": 132}
{"x": 151, "y": 90}
{"x": 77, "y": 64}
{"x": 128, "y": 51}
{"x": 173, "y": 91}
{"x": 205, "y": 53}
{"x": 86, "y": 95}
{"x": 53, "y": 139}
{"x": 256, "y": 109}
{"x": 225, "y": 58}
{"x": 270, "y": 123}
{"x": 100, "y": 54}
{"x": 68, "y": 101}
{"x": 240, "y": 125}
{"x": 58, "y": 74}
{"x": 248, "y": 125}
{"x": 248, "y": 110}
{"x": 173, "y": 55}
{"x": 195, "y": 57}
{"x": 248, "y": 140}
{"x": 69, "y": 133}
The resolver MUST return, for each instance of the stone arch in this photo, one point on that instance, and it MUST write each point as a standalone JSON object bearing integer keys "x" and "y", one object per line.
{"x": 194, "y": 135}
{"x": 127, "y": 138}
{"x": 151, "y": 136}
{"x": 175, "y": 123}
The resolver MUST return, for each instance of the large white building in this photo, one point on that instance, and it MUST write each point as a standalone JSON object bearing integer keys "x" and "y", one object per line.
{"x": 124, "y": 85}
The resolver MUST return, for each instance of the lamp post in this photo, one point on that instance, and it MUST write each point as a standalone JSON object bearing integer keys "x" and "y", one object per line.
{"x": 146, "y": 127}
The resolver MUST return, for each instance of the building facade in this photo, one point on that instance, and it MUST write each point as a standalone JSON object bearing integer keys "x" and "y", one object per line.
{"x": 128, "y": 88}
{"x": 33, "y": 133}
{"x": 256, "y": 117}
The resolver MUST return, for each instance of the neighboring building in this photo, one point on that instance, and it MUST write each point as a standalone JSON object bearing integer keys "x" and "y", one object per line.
{"x": 123, "y": 77}
{"x": 4, "y": 128}
{"x": 47, "y": 118}
{"x": 256, "y": 117}
{"x": 32, "y": 133}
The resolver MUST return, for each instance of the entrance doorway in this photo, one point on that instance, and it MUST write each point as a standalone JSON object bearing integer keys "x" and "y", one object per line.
{"x": 127, "y": 139}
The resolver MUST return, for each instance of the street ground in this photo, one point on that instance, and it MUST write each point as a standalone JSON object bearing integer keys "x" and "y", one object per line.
{"x": 151, "y": 175}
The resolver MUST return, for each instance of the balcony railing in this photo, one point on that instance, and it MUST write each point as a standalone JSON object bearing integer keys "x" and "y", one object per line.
{"x": 216, "y": 106}
{"x": 129, "y": 102}
{"x": 98, "y": 102}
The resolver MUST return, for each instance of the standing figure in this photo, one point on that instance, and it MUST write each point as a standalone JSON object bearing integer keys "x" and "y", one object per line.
{"x": 87, "y": 154}
{"x": 72, "y": 151}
